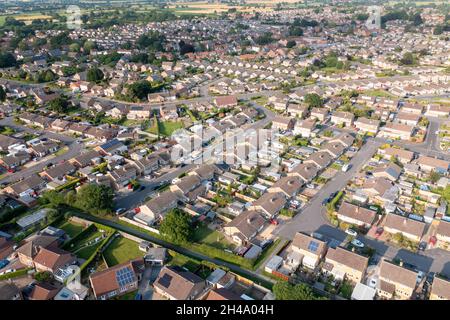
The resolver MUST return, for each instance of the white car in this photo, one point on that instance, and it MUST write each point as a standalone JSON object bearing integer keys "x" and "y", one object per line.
{"x": 351, "y": 232}
{"x": 373, "y": 283}
{"x": 357, "y": 243}
{"x": 420, "y": 275}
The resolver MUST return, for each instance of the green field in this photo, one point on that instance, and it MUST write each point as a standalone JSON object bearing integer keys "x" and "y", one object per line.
{"x": 86, "y": 245}
{"x": 121, "y": 250}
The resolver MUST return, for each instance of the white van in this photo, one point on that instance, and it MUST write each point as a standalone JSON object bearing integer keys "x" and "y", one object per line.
{"x": 346, "y": 167}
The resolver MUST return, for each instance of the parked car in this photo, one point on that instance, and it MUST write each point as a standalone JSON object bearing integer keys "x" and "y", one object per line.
{"x": 420, "y": 276}
{"x": 351, "y": 232}
{"x": 142, "y": 188}
{"x": 346, "y": 167}
{"x": 379, "y": 231}
{"x": 357, "y": 243}
{"x": 373, "y": 283}
{"x": 3, "y": 263}
{"x": 422, "y": 245}
{"x": 138, "y": 297}
{"x": 120, "y": 211}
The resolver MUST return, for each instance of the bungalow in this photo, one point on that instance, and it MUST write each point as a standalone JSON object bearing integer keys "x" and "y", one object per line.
{"x": 146, "y": 165}
{"x": 168, "y": 112}
{"x": 59, "y": 125}
{"x": 226, "y": 101}
{"x": 320, "y": 159}
{"x": 139, "y": 112}
{"x": 312, "y": 250}
{"x": 334, "y": 149}
{"x": 51, "y": 259}
{"x": 404, "y": 156}
{"x": 395, "y": 281}
{"x": 27, "y": 186}
{"x": 270, "y": 203}
{"x": 59, "y": 171}
{"x": 367, "y": 125}
{"x": 396, "y": 131}
{"x": 157, "y": 207}
{"x": 289, "y": 186}
{"x": 117, "y": 280}
{"x": 176, "y": 283}
{"x": 429, "y": 164}
{"x": 339, "y": 118}
{"x": 409, "y": 228}
{"x": 44, "y": 148}
{"x": 413, "y": 108}
{"x": 305, "y": 171}
{"x": 6, "y": 141}
{"x": 245, "y": 226}
{"x": 440, "y": 289}
{"x": 85, "y": 159}
{"x": 389, "y": 171}
{"x": 283, "y": 123}
{"x": 409, "y": 119}
{"x": 344, "y": 264}
{"x": 356, "y": 215}
{"x": 14, "y": 161}
{"x": 122, "y": 176}
{"x": 111, "y": 148}
{"x": 435, "y": 110}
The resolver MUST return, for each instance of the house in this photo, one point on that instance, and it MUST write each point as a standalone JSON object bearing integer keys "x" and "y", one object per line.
{"x": 6, "y": 247}
{"x": 443, "y": 235}
{"x": 245, "y": 226}
{"x": 320, "y": 159}
{"x": 176, "y": 283}
{"x": 86, "y": 158}
{"x": 304, "y": 128}
{"x": 43, "y": 291}
{"x": 59, "y": 171}
{"x": 409, "y": 228}
{"x": 395, "y": 281}
{"x": 283, "y": 123}
{"x": 297, "y": 110}
{"x": 367, "y": 125}
{"x": 436, "y": 110}
{"x": 289, "y": 186}
{"x": 146, "y": 165}
{"x": 51, "y": 259}
{"x": 44, "y": 148}
{"x": 334, "y": 149}
{"x": 356, "y": 215}
{"x": 122, "y": 176}
{"x": 157, "y": 207}
{"x": 59, "y": 125}
{"x": 226, "y": 101}
{"x": 389, "y": 171}
{"x": 344, "y": 264}
{"x": 32, "y": 246}
{"x": 440, "y": 289}
{"x": 407, "y": 118}
{"x": 222, "y": 294}
{"x": 396, "y": 131}
{"x": 112, "y": 147}
{"x": 6, "y": 141}
{"x": 404, "y": 156}
{"x": 319, "y": 113}
{"x": 429, "y": 164}
{"x": 270, "y": 203}
{"x": 186, "y": 184}
{"x": 11, "y": 162}
{"x": 414, "y": 108}
{"x": 117, "y": 280}
{"x": 339, "y": 118}
{"x": 305, "y": 171}
{"x": 139, "y": 112}
{"x": 25, "y": 187}
{"x": 312, "y": 250}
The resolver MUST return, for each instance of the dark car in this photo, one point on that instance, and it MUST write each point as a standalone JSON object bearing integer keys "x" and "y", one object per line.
{"x": 142, "y": 188}
{"x": 3, "y": 263}
{"x": 138, "y": 297}
{"x": 422, "y": 245}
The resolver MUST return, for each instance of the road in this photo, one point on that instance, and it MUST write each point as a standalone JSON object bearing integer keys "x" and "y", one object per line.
{"x": 74, "y": 149}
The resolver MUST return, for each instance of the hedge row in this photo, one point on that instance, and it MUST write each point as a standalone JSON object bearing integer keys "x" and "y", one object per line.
{"x": 15, "y": 274}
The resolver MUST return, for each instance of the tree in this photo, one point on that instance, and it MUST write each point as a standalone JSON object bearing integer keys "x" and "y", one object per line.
{"x": 2, "y": 94}
{"x": 408, "y": 59}
{"x": 313, "y": 100}
{"x": 286, "y": 291}
{"x": 291, "y": 44}
{"x": 434, "y": 176}
{"x": 43, "y": 276}
{"x": 295, "y": 31}
{"x": 97, "y": 199}
{"x": 140, "y": 89}
{"x": 7, "y": 60}
{"x": 176, "y": 227}
{"x": 95, "y": 75}
{"x": 59, "y": 104}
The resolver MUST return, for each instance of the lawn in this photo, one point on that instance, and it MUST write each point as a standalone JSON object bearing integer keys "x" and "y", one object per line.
{"x": 211, "y": 237}
{"x": 121, "y": 250}
{"x": 71, "y": 228}
{"x": 80, "y": 244}
{"x": 183, "y": 261}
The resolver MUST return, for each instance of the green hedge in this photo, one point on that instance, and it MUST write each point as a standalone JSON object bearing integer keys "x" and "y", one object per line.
{"x": 15, "y": 274}
{"x": 79, "y": 236}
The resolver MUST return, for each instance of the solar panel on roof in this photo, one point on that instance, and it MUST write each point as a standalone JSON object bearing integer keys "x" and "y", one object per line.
{"x": 124, "y": 276}
{"x": 313, "y": 246}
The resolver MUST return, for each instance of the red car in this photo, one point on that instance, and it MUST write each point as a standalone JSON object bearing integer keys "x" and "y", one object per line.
{"x": 379, "y": 231}
{"x": 274, "y": 221}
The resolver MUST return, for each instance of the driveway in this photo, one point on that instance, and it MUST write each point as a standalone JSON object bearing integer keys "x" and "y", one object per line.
{"x": 145, "y": 286}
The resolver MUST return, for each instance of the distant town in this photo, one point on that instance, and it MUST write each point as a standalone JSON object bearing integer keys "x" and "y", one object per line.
{"x": 224, "y": 150}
